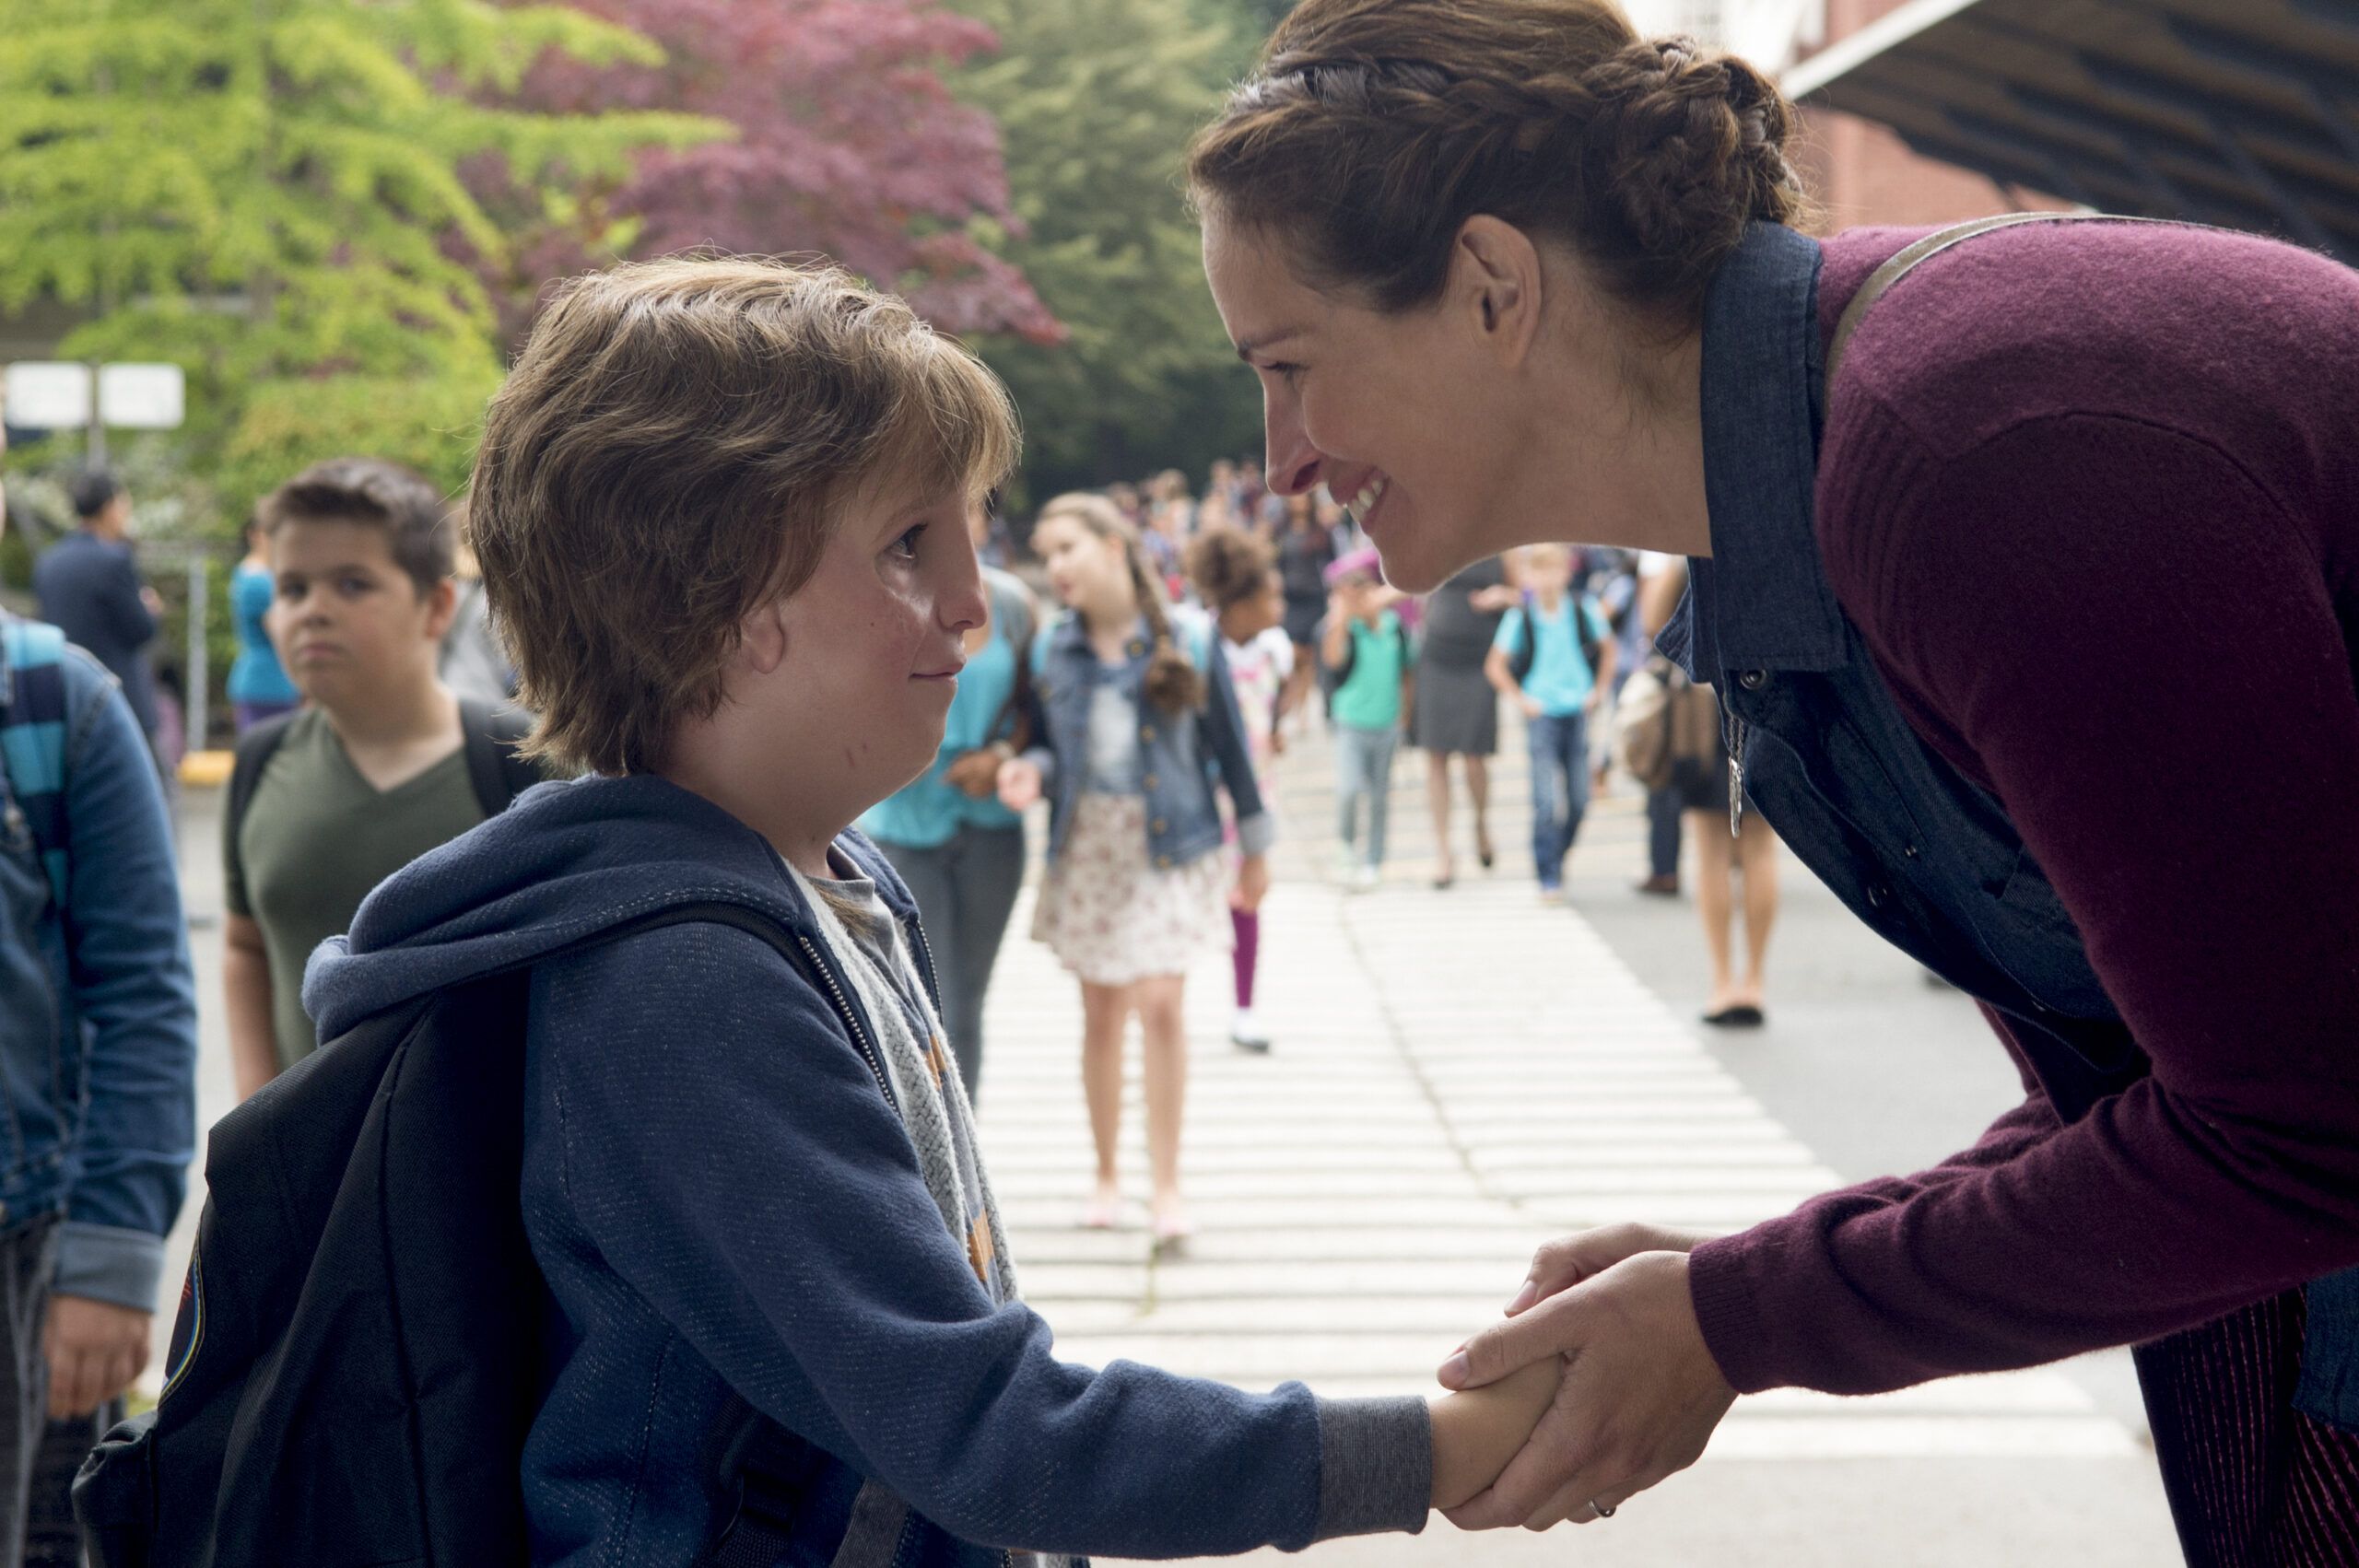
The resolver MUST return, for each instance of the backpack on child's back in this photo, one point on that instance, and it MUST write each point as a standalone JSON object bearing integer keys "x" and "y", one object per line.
{"x": 356, "y": 1360}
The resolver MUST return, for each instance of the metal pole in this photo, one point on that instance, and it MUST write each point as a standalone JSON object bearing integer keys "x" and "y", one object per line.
{"x": 97, "y": 455}
{"x": 199, "y": 680}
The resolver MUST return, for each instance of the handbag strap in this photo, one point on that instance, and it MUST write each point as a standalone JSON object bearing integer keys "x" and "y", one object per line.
{"x": 1881, "y": 280}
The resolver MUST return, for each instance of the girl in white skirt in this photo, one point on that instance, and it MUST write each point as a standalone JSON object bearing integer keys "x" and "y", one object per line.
{"x": 1140, "y": 724}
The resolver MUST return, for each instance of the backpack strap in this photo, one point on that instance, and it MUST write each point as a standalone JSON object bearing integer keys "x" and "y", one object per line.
{"x": 769, "y": 1469}
{"x": 254, "y": 751}
{"x": 498, "y": 773}
{"x": 1881, "y": 280}
{"x": 32, "y": 739}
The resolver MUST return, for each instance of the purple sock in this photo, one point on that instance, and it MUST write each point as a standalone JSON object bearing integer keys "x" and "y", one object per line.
{"x": 1247, "y": 926}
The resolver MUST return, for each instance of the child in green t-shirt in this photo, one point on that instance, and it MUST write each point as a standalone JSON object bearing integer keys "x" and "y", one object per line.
{"x": 1364, "y": 649}
{"x": 378, "y": 765}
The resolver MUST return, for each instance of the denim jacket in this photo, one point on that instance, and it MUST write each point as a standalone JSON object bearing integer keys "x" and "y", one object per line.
{"x": 97, "y": 1007}
{"x": 1183, "y": 757}
{"x": 1926, "y": 858}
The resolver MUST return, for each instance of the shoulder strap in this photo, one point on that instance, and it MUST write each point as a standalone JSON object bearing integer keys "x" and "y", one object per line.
{"x": 1881, "y": 280}
{"x": 254, "y": 751}
{"x": 32, "y": 744}
{"x": 494, "y": 768}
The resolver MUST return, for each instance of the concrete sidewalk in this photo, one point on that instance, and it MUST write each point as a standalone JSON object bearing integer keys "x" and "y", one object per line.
{"x": 1458, "y": 1076}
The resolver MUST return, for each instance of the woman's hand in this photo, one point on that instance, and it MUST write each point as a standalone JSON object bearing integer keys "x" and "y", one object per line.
{"x": 1640, "y": 1397}
{"x": 975, "y": 774}
{"x": 1019, "y": 783}
{"x": 1252, "y": 882}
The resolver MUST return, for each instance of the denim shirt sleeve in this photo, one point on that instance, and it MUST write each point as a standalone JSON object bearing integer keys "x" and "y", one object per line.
{"x": 1223, "y": 728}
{"x": 128, "y": 961}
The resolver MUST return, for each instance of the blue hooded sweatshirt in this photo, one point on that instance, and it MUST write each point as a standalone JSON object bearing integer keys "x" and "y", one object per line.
{"x": 725, "y": 1206}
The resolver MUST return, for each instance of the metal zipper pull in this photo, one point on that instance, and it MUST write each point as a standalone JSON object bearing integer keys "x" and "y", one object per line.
{"x": 1739, "y": 734}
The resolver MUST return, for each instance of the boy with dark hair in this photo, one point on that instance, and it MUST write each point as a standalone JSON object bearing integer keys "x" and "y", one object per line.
{"x": 721, "y": 509}
{"x": 382, "y": 766}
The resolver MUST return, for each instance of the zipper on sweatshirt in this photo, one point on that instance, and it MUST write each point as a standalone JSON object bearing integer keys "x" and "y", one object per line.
{"x": 925, "y": 953}
{"x": 851, "y": 1019}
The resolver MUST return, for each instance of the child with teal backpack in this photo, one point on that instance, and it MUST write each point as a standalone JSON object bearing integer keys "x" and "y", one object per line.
{"x": 1553, "y": 656}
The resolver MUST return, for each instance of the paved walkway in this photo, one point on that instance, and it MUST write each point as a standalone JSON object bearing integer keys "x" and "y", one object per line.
{"x": 1459, "y": 1076}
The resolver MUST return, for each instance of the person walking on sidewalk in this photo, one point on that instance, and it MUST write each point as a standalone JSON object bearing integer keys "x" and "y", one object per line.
{"x": 1553, "y": 656}
{"x": 1364, "y": 654}
{"x": 1705, "y": 788}
{"x": 1236, "y": 575}
{"x": 961, "y": 851}
{"x": 89, "y": 587}
{"x": 259, "y": 689}
{"x": 1139, "y": 722}
{"x": 98, "y": 1035}
{"x": 1460, "y": 714}
{"x": 1938, "y": 493}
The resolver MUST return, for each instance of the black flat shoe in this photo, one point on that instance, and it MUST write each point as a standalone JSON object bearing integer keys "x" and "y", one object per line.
{"x": 1743, "y": 1015}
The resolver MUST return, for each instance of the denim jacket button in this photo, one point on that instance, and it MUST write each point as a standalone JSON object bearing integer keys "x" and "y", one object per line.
{"x": 1158, "y": 825}
{"x": 1163, "y": 862}
{"x": 1147, "y": 732}
{"x": 1753, "y": 680}
{"x": 1149, "y": 781}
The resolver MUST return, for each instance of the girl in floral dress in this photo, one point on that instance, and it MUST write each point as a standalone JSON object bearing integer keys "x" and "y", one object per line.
{"x": 1139, "y": 722}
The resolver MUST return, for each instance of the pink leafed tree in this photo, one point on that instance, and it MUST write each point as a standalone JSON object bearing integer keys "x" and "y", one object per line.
{"x": 848, "y": 144}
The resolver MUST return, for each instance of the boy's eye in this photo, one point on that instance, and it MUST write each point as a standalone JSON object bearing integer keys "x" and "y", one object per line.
{"x": 907, "y": 544}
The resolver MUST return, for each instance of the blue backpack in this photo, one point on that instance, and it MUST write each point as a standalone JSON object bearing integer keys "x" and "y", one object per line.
{"x": 32, "y": 741}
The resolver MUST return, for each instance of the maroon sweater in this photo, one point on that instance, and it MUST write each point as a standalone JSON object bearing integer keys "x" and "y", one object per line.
{"x": 2091, "y": 493}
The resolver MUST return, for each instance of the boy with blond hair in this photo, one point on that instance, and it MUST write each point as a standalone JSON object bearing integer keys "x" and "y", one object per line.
{"x": 721, "y": 508}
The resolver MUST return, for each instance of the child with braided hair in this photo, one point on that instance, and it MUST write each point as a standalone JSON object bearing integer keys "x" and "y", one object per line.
{"x": 1236, "y": 574}
{"x": 1139, "y": 723}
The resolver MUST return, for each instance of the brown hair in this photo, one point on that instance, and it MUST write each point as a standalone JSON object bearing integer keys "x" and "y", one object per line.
{"x": 1172, "y": 684}
{"x": 369, "y": 490}
{"x": 674, "y": 445}
{"x": 1373, "y": 129}
{"x": 1230, "y": 566}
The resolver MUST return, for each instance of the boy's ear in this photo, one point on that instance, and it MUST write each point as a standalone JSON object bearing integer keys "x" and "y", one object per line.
{"x": 442, "y": 608}
{"x": 761, "y": 636}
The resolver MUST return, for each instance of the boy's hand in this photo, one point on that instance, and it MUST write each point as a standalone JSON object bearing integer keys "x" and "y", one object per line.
{"x": 975, "y": 775}
{"x": 95, "y": 1351}
{"x": 1531, "y": 705}
{"x": 1476, "y": 1434}
{"x": 1019, "y": 783}
{"x": 1252, "y": 882}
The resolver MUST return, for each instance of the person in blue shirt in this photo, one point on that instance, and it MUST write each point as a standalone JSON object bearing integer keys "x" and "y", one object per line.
{"x": 1554, "y": 656}
{"x": 961, "y": 851}
{"x": 259, "y": 687}
{"x": 98, "y": 1052}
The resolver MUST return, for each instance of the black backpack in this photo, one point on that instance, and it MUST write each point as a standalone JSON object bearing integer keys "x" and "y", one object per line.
{"x": 356, "y": 1360}
{"x": 494, "y": 770}
{"x": 1527, "y": 649}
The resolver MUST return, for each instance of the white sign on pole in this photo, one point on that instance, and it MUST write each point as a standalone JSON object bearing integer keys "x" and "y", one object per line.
{"x": 142, "y": 397}
{"x": 49, "y": 394}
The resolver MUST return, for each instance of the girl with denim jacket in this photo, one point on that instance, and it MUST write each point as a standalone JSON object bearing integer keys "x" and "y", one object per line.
{"x": 1140, "y": 722}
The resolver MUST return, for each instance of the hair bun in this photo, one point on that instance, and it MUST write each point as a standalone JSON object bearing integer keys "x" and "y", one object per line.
{"x": 1692, "y": 143}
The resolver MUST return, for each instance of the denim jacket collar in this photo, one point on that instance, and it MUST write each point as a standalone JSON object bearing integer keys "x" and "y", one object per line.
{"x": 1762, "y": 413}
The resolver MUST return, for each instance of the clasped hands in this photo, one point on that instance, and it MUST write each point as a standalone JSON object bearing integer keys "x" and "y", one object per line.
{"x": 1597, "y": 1385}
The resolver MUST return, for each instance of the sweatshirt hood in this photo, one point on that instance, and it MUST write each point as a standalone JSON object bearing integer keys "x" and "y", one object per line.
{"x": 567, "y": 862}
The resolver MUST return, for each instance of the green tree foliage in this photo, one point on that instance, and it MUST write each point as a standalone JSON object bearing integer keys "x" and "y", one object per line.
{"x": 1096, "y": 101}
{"x": 267, "y": 193}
